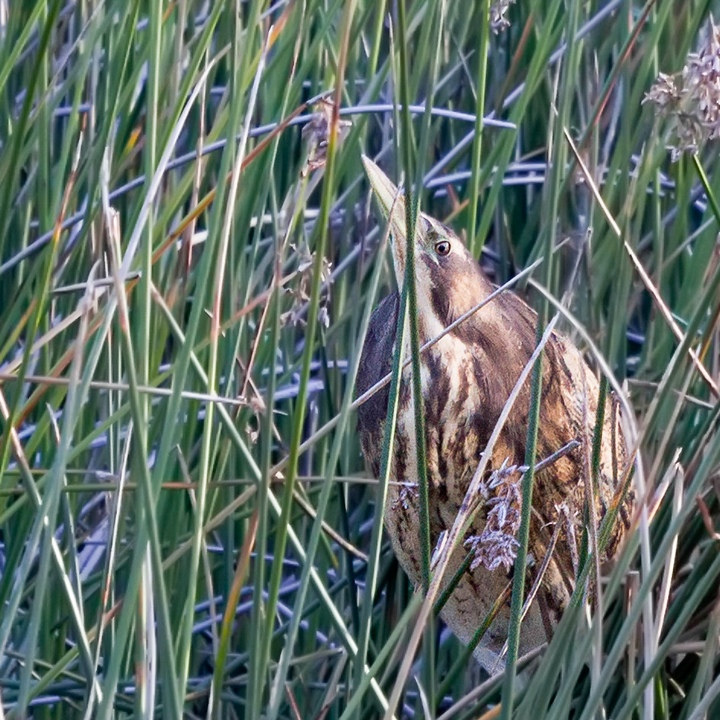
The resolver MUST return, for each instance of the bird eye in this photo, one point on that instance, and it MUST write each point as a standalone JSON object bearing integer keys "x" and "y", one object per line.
{"x": 442, "y": 247}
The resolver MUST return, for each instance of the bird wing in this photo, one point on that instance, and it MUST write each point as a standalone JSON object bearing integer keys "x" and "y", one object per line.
{"x": 375, "y": 364}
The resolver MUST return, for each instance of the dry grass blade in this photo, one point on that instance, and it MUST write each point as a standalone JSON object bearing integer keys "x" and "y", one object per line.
{"x": 647, "y": 281}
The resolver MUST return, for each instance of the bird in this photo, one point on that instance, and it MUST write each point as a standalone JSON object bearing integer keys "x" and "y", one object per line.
{"x": 466, "y": 378}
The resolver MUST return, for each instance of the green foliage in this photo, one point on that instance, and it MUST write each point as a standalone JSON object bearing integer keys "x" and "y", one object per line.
{"x": 186, "y": 525}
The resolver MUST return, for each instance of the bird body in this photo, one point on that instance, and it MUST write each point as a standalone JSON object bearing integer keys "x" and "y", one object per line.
{"x": 466, "y": 377}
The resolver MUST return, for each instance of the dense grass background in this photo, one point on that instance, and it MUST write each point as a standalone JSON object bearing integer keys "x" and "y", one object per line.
{"x": 186, "y": 526}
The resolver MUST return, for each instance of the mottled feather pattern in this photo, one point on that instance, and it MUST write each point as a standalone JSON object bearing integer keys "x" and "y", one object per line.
{"x": 467, "y": 377}
{"x": 482, "y": 369}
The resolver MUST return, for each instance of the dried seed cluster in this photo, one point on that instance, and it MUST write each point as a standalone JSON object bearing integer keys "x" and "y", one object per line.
{"x": 498, "y": 15}
{"x": 690, "y": 99}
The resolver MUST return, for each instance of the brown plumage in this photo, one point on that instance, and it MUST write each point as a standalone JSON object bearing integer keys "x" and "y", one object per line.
{"x": 467, "y": 377}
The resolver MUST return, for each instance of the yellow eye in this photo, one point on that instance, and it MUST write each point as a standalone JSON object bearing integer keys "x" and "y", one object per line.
{"x": 442, "y": 247}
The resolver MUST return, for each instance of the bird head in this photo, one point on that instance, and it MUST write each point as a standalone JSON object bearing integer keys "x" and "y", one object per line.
{"x": 448, "y": 279}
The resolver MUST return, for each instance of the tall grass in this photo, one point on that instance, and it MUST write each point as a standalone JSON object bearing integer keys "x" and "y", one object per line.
{"x": 188, "y": 261}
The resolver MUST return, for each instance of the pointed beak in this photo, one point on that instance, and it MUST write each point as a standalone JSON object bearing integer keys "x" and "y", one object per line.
{"x": 392, "y": 204}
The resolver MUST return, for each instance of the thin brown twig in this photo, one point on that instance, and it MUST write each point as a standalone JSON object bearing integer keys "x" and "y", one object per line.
{"x": 647, "y": 281}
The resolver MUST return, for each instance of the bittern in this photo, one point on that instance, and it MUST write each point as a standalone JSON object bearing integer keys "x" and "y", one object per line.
{"x": 466, "y": 378}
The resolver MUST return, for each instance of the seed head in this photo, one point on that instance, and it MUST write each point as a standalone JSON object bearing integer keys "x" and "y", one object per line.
{"x": 690, "y": 99}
